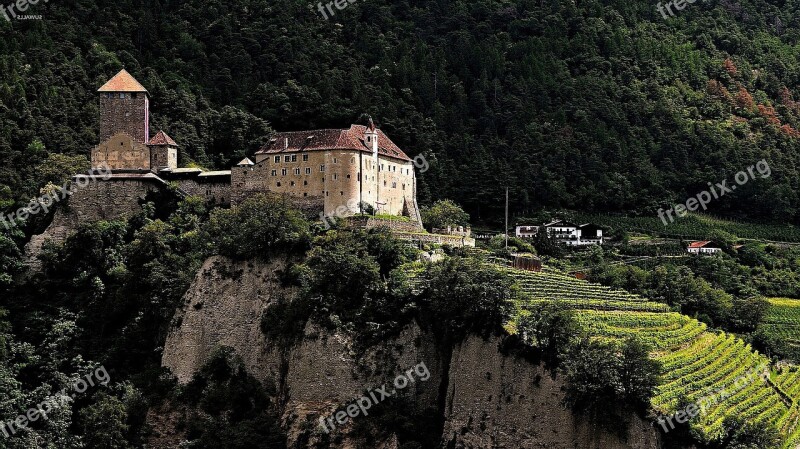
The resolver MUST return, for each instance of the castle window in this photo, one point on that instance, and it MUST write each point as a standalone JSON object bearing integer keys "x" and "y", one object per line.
{"x": 277, "y": 159}
{"x": 322, "y": 168}
{"x": 335, "y": 176}
{"x": 359, "y": 176}
{"x": 334, "y": 161}
{"x": 122, "y": 95}
{"x": 404, "y": 186}
{"x": 327, "y": 193}
{"x": 287, "y": 158}
{"x": 384, "y": 183}
{"x": 294, "y": 158}
{"x": 292, "y": 184}
{"x": 394, "y": 185}
{"x": 308, "y": 170}
{"x": 348, "y": 176}
{"x": 342, "y": 193}
{"x": 133, "y": 95}
{"x": 279, "y": 183}
{"x": 296, "y": 171}
{"x": 305, "y": 158}
{"x": 283, "y": 172}
{"x": 305, "y": 193}
{"x": 352, "y": 160}
{"x": 274, "y": 173}
{"x": 305, "y": 183}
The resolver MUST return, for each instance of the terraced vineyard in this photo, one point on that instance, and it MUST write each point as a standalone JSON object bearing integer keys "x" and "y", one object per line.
{"x": 782, "y": 322}
{"x": 714, "y": 369}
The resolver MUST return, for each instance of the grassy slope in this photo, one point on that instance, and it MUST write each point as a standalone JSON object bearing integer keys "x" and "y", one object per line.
{"x": 697, "y": 362}
{"x": 783, "y": 323}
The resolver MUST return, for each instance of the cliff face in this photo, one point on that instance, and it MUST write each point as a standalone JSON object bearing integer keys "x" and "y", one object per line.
{"x": 487, "y": 399}
{"x": 99, "y": 200}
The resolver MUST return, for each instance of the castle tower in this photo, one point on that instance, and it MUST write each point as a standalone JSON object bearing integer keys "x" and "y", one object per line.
{"x": 163, "y": 152}
{"x": 124, "y": 107}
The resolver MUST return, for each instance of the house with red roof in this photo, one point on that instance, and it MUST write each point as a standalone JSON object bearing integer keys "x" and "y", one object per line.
{"x": 340, "y": 172}
{"x": 704, "y": 247}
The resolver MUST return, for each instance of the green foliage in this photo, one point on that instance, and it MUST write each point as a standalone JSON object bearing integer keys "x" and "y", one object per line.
{"x": 603, "y": 376}
{"x": 59, "y": 168}
{"x": 740, "y": 434}
{"x": 546, "y": 244}
{"x": 104, "y": 425}
{"x": 551, "y": 329}
{"x": 517, "y": 244}
{"x": 444, "y": 213}
{"x": 259, "y": 228}
{"x": 694, "y": 226}
{"x": 352, "y": 278}
{"x": 232, "y": 410}
{"x": 462, "y": 295}
{"x": 10, "y": 261}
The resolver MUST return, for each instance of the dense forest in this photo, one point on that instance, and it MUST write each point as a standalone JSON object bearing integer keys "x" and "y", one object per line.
{"x": 590, "y": 105}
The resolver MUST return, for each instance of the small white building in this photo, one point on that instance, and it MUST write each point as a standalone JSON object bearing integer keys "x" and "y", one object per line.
{"x": 567, "y": 233}
{"x": 527, "y": 232}
{"x": 705, "y": 247}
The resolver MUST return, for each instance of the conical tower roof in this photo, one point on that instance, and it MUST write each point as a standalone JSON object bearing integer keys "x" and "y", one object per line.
{"x": 122, "y": 82}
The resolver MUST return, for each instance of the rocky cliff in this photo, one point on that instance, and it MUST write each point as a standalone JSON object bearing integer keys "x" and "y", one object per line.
{"x": 484, "y": 397}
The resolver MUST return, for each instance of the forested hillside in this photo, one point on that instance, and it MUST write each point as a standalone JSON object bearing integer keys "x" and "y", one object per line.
{"x": 591, "y": 105}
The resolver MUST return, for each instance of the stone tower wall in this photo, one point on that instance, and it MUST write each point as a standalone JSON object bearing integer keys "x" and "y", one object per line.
{"x": 129, "y": 114}
{"x": 121, "y": 152}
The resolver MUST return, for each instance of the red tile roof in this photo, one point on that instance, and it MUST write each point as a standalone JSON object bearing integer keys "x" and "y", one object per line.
{"x": 122, "y": 82}
{"x": 698, "y": 244}
{"x": 162, "y": 139}
{"x": 331, "y": 139}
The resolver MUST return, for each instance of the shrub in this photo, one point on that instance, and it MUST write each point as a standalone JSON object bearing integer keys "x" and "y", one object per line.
{"x": 257, "y": 228}
{"x": 603, "y": 375}
{"x": 463, "y": 295}
{"x": 550, "y": 329}
{"x": 444, "y": 213}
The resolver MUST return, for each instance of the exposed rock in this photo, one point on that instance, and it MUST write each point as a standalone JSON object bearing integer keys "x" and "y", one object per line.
{"x": 492, "y": 399}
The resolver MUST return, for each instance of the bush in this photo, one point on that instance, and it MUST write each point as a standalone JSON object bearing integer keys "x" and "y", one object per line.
{"x": 742, "y": 434}
{"x": 257, "y": 228}
{"x": 232, "y": 409}
{"x": 603, "y": 376}
{"x": 551, "y": 330}
{"x": 463, "y": 295}
{"x": 444, "y": 213}
{"x": 351, "y": 279}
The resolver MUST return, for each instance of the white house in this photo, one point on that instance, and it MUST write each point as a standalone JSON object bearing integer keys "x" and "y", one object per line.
{"x": 567, "y": 233}
{"x": 527, "y": 232}
{"x": 706, "y": 247}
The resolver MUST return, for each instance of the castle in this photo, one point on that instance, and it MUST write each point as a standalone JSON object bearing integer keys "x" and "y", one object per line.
{"x": 331, "y": 171}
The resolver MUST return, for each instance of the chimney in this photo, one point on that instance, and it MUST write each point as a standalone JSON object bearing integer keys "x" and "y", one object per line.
{"x": 286, "y": 144}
